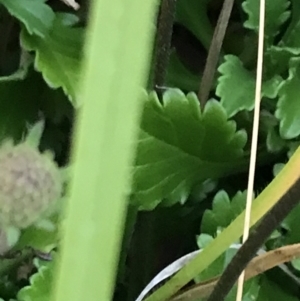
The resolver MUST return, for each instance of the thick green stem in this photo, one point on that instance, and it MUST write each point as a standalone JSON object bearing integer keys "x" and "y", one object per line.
{"x": 120, "y": 36}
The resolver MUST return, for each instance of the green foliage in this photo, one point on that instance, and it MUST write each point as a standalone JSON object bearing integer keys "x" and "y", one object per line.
{"x": 192, "y": 14}
{"x": 234, "y": 77}
{"x": 175, "y": 149}
{"x": 179, "y": 76}
{"x": 40, "y": 285}
{"x": 274, "y": 142}
{"x": 276, "y": 14}
{"x": 43, "y": 237}
{"x": 252, "y": 287}
{"x": 58, "y": 55}
{"x": 287, "y": 106}
{"x": 292, "y": 40}
{"x": 189, "y": 160}
{"x": 37, "y": 16}
{"x": 18, "y": 104}
{"x": 269, "y": 290}
{"x": 223, "y": 212}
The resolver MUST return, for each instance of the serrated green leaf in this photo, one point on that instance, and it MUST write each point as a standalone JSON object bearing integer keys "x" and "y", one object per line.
{"x": 223, "y": 211}
{"x": 179, "y": 147}
{"x": 234, "y": 77}
{"x": 37, "y": 16}
{"x": 40, "y": 285}
{"x": 276, "y": 14}
{"x": 288, "y": 109}
{"x": 200, "y": 192}
{"x": 58, "y": 56}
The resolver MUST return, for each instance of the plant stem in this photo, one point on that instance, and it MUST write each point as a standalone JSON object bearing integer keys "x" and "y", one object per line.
{"x": 131, "y": 217}
{"x": 96, "y": 208}
{"x": 248, "y": 250}
{"x": 214, "y": 52}
{"x": 163, "y": 42}
{"x": 262, "y": 204}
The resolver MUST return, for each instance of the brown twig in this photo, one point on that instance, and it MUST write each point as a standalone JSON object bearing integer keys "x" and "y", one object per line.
{"x": 257, "y": 266}
{"x": 163, "y": 42}
{"x": 214, "y": 52}
{"x": 256, "y": 238}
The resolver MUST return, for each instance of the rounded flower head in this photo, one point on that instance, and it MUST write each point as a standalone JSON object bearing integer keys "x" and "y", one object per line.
{"x": 30, "y": 182}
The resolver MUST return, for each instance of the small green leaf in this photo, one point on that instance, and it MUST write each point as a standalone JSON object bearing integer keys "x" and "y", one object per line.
{"x": 203, "y": 240}
{"x": 276, "y": 14}
{"x": 223, "y": 211}
{"x": 58, "y": 56}
{"x": 292, "y": 224}
{"x": 37, "y": 16}
{"x": 200, "y": 191}
{"x": 39, "y": 238}
{"x": 288, "y": 109}
{"x": 35, "y": 133}
{"x": 236, "y": 86}
{"x": 40, "y": 285}
{"x": 235, "y": 78}
{"x": 179, "y": 147}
